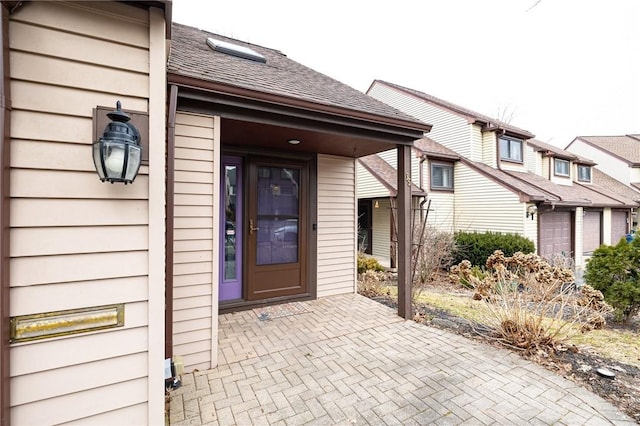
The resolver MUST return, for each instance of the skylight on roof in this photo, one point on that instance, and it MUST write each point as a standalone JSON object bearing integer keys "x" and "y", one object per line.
{"x": 235, "y": 50}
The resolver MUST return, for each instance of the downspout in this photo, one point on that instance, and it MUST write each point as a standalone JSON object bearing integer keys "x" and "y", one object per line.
{"x": 5, "y": 157}
{"x": 171, "y": 148}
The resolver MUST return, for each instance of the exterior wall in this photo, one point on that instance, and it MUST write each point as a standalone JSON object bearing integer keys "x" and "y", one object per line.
{"x": 77, "y": 242}
{"x": 533, "y": 161}
{"x": 337, "y": 225}
{"x": 546, "y": 169}
{"x": 634, "y": 174}
{"x": 579, "y": 257}
{"x": 442, "y": 211}
{"x": 368, "y": 185}
{"x": 391, "y": 157}
{"x": 477, "y": 143}
{"x": 612, "y": 166}
{"x": 560, "y": 180}
{"x": 381, "y": 231}
{"x": 489, "y": 148}
{"x": 451, "y": 130}
{"x": 483, "y": 205}
{"x": 606, "y": 227}
{"x": 530, "y": 225}
{"x": 195, "y": 257}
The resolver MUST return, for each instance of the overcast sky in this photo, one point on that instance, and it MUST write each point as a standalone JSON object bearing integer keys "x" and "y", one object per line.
{"x": 559, "y": 68}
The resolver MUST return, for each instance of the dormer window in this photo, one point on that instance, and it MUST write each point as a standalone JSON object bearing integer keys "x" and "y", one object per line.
{"x": 584, "y": 173}
{"x": 510, "y": 149}
{"x": 561, "y": 167}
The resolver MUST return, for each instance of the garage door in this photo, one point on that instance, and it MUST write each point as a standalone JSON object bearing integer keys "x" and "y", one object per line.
{"x": 591, "y": 231}
{"x": 619, "y": 225}
{"x": 555, "y": 234}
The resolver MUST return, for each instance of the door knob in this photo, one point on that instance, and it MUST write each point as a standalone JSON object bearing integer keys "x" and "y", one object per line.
{"x": 252, "y": 228}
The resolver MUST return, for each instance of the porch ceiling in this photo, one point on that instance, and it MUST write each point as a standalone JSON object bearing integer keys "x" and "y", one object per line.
{"x": 270, "y": 124}
{"x": 336, "y": 142}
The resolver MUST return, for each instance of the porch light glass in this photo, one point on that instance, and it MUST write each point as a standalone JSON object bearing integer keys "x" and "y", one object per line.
{"x": 117, "y": 154}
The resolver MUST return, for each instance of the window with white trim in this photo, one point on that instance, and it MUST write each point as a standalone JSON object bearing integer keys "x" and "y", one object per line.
{"x": 441, "y": 176}
{"x": 510, "y": 149}
{"x": 584, "y": 173}
{"x": 561, "y": 167}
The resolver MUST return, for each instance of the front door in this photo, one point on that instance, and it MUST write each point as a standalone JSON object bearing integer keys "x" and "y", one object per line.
{"x": 276, "y": 224}
{"x": 264, "y": 219}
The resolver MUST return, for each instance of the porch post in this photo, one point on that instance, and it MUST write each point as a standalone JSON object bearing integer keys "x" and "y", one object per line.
{"x": 404, "y": 231}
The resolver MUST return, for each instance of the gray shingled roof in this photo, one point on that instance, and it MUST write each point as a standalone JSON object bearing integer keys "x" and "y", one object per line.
{"x": 386, "y": 174}
{"x": 612, "y": 184}
{"x": 626, "y": 147}
{"x": 476, "y": 116}
{"x": 558, "y": 152}
{"x": 433, "y": 149}
{"x": 191, "y": 57}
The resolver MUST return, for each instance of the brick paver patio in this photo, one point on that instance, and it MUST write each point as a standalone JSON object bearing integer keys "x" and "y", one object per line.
{"x": 354, "y": 361}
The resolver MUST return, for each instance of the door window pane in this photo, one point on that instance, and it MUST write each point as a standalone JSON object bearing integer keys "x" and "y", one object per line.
{"x": 278, "y": 215}
{"x": 230, "y": 208}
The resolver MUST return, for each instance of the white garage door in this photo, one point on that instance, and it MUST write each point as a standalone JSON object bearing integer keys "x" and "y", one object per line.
{"x": 555, "y": 234}
{"x": 591, "y": 231}
{"x": 619, "y": 225}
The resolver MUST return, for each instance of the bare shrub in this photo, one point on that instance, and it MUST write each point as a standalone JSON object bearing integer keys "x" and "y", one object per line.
{"x": 433, "y": 254}
{"x": 373, "y": 283}
{"x": 531, "y": 305}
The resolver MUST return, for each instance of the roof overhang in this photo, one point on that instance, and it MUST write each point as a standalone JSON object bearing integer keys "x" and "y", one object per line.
{"x": 253, "y": 118}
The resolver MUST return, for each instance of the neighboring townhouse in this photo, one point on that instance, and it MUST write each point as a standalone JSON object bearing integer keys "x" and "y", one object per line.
{"x": 245, "y": 196}
{"x": 504, "y": 180}
{"x": 617, "y": 163}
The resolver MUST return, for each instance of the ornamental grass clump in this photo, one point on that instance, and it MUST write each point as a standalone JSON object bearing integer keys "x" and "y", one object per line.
{"x": 529, "y": 304}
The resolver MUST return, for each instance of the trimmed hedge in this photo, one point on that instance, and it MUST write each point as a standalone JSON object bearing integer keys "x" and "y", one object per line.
{"x": 477, "y": 247}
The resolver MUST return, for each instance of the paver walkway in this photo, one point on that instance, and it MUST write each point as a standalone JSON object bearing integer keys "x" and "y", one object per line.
{"x": 354, "y": 361}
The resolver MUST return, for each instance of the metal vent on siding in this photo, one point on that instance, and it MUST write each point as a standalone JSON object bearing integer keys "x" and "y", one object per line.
{"x": 235, "y": 50}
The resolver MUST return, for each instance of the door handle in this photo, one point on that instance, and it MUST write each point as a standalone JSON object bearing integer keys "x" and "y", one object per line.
{"x": 252, "y": 228}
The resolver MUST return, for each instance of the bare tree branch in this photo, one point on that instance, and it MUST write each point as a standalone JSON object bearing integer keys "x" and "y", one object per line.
{"x": 534, "y": 5}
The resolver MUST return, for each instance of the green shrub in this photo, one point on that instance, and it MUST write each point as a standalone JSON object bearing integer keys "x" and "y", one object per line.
{"x": 615, "y": 271}
{"x": 477, "y": 247}
{"x": 367, "y": 263}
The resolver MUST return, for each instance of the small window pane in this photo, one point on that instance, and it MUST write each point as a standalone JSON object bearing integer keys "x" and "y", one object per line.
{"x": 584, "y": 173}
{"x": 562, "y": 167}
{"x": 510, "y": 149}
{"x": 441, "y": 176}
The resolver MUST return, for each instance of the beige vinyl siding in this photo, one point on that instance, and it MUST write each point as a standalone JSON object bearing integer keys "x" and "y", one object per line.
{"x": 533, "y": 160}
{"x": 530, "y": 225}
{"x": 381, "y": 231}
{"x": 336, "y": 225}
{"x": 610, "y": 165}
{"x": 390, "y": 156}
{"x": 194, "y": 249}
{"x": 477, "y": 143}
{"x": 442, "y": 210}
{"x": 77, "y": 242}
{"x": 449, "y": 129}
{"x": 483, "y": 205}
{"x": 368, "y": 185}
{"x": 489, "y": 148}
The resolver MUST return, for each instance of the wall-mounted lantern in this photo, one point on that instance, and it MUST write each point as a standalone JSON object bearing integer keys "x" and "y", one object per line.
{"x": 531, "y": 210}
{"x": 117, "y": 154}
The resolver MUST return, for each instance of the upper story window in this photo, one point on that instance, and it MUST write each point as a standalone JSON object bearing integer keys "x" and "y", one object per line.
{"x": 584, "y": 173}
{"x": 441, "y": 176}
{"x": 561, "y": 167}
{"x": 510, "y": 149}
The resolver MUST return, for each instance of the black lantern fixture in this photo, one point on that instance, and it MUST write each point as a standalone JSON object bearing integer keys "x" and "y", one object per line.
{"x": 118, "y": 153}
